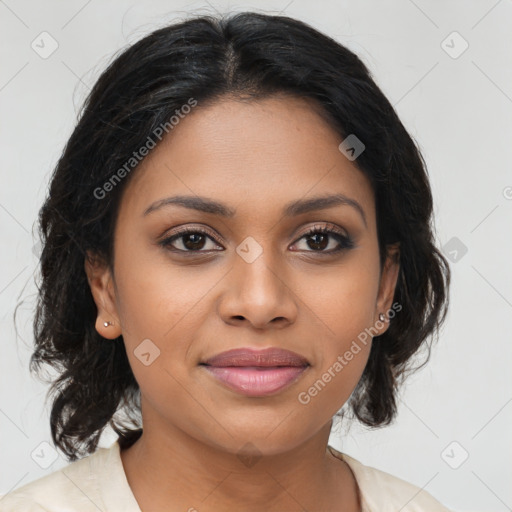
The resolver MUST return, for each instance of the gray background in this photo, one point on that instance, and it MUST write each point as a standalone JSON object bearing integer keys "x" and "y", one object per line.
{"x": 457, "y": 104}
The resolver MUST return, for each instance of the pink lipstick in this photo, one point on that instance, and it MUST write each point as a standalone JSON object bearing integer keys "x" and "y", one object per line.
{"x": 256, "y": 372}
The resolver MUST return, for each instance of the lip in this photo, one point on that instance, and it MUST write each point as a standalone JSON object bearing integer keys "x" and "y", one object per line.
{"x": 252, "y": 357}
{"x": 256, "y": 372}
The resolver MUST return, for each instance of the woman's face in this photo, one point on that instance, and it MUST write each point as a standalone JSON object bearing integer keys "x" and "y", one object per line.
{"x": 253, "y": 279}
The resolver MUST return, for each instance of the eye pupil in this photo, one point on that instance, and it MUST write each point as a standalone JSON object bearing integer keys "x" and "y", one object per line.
{"x": 198, "y": 238}
{"x": 320, "y": 244}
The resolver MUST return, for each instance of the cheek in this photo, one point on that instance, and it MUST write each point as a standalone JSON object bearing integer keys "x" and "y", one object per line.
{"x": 158, "y": 298}
{"x": 341, "y": 350}
{"x": 161, "y": 309}
{"x": 344, "y": 312}
{"x": 330, "y": 387}
{"x": 344, "y": 302}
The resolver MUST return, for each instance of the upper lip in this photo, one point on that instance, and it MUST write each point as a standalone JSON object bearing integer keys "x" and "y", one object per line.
{"x": 268, "y": 357}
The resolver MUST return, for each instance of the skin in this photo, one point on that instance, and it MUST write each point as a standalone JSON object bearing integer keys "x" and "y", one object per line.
{"x": 255, "y": 157}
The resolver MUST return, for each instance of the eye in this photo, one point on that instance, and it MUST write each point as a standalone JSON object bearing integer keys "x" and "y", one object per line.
{"x": 190, "y": 239}
{"x": 194, "y": 239}
{"x": 320, "y": 237}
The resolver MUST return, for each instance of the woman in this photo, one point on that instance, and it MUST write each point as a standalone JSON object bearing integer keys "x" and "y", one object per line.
{"x": 237, "y": 243}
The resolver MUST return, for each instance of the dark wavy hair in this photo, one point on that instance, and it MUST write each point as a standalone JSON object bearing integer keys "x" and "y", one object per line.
{"x": 248, "y": 55}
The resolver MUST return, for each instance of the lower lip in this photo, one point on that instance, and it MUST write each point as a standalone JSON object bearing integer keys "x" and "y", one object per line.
{"x": 251, "y": 381}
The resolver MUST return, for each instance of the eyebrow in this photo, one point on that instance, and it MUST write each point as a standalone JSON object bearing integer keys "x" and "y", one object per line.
{"x": 301, "y": 206}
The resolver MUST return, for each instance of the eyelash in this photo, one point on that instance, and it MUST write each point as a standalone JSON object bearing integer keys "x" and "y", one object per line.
{"x": 345, "y": 242}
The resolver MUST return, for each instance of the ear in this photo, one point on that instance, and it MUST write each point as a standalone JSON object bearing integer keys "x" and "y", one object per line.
{"x": 388, "y": 280}
{"x": 103, "y": 292}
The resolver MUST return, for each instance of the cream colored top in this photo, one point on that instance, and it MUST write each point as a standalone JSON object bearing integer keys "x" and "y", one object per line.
{"x": 98, "y": 482}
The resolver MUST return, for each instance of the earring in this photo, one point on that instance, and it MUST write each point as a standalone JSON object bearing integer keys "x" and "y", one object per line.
{"x": 106, "y": 324}
{"x": 382, "y": 318}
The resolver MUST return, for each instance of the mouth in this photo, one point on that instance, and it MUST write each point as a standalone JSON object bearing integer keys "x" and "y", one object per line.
{"x": 256, "y": 373}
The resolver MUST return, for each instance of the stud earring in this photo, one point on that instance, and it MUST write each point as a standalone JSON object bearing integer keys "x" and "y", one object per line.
{"x": 382, "y": 318}
{"x": 106, "y": 324}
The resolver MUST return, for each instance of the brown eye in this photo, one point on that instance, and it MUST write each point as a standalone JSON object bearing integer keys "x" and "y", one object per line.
{"x": 323, "y": 240}
{"x": 320, "y": 238}
{"x": 190, "y": 239}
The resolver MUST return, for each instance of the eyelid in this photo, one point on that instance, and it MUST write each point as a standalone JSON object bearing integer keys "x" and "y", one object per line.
{"x": 183, "y": 230}
{"x": 201, "y": 228}
{"x": 178, "y": 233}
{"x": 328, "y": 228}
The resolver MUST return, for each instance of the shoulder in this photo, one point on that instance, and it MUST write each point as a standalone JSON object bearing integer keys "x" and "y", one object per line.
{"x": 55, "y": 490}
{"x": 385, "y": 492}
{"x": 75, "y": 487}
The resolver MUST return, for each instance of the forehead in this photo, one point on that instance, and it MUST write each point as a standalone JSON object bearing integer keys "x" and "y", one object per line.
{"x": 250, "y": 153}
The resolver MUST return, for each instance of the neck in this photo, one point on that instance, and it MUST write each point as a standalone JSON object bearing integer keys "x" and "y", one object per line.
{"x": 173, "y": 471}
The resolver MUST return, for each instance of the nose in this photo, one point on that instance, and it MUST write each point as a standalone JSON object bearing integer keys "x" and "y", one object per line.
{"x": 259, "y": 294}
